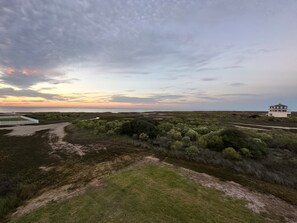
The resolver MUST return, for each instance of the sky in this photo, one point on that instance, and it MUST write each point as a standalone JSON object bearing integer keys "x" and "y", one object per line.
{"x": 153, "y": 54}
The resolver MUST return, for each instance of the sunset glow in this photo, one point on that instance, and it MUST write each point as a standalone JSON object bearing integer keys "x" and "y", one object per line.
{"x": 184, "y": 54}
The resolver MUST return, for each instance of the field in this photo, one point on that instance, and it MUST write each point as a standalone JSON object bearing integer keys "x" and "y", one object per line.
{"x": 46, "y": 174}
{"x": 147, "y": 194}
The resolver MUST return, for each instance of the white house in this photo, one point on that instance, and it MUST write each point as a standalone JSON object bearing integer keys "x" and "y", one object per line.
{"x": 279, "y": 111}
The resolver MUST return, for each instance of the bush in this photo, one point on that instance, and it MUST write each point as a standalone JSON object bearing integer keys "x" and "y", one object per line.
{"x": 202, "y": 130}
{"x": 238, "y": 139}
{"x": 257, "y": 147}
{"x": 174, "y": 134}
{"x": 110, "y": 133}
{"x": 165, "y": 127}
{"x": 231, "y": 153}
{"x": 138, "y": 126}
{"x": 186, "y": 141}
{"x": 213, "y": 142}
{"x": 177, "y": 145}
{"x": 143, "y": 137}
{"x": 245, "y": 152}
{"x": 192, "y": 134}
{"x": 192, "y": 151}
{"x": 234, "y": 138}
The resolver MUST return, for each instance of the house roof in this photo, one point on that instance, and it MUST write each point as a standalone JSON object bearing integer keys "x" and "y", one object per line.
{"x": 279, "y": 105}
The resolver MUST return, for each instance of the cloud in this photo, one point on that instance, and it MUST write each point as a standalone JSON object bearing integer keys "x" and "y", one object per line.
{"x": 4, "y": 92}
{"x": 151, "y": 99}
{"x": 127, "y": 99}
{"x": 239, "y": 95}
{"x": 209, "y": 79}
{"x": 156, "y": 43}
{"x": 51, "y": 34}
{"x": 237, "y": 84}
{"x": 20, "y": 79}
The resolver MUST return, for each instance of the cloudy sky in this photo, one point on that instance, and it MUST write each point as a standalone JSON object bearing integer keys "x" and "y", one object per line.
{"x": 156, "y": 54}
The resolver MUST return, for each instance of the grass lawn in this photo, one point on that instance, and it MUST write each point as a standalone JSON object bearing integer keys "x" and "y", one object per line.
{"x": 147, "y": 194}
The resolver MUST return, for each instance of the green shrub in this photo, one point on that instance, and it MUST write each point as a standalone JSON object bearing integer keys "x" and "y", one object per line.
{"x": 192, "y": 151}
{"x": 214, "y": 142}
{"x": 174, "y": 134}
{"x": 238, "y": 139}
{"x": 183, "y": 128}
{"x": 245, "y": 152}
{"x": 186, "y": 141}
{"x": 192, "y": 134}
{"x": 143, "y": 137}
{"x": 138, "y": 126}
{"x": 202, "y": 130}
{"x": 177, "y": 145}
{"x": 165, "y": 127}
{"x": 231, "y": 153}
{"x": 257, "y": 147}
{"x": 267, "y": 138}
{"x": 234, "y": 138}
{"x": 110, "y": 133}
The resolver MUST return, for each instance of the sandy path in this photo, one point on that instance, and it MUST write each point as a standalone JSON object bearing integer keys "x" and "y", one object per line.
{"x": 263, "y": 126}
{"x": 55, "y": 135}
{"x": 27, "y": 130}
{"x": 257, "y": 202}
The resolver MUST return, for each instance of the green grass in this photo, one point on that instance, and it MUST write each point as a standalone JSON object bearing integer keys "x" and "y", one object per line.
{"x": 147, "y": 194}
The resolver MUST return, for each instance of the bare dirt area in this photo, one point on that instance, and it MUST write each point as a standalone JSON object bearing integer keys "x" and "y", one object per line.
{"x": 27, "y": 130}
{"x": 55, "y": 135}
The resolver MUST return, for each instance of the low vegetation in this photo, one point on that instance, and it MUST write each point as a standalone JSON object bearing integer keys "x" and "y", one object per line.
{"x": 209, "y": 140}
{"x": 148, "y": 194}
{"x": 28, "y": 166}
{"x": 263, "y": 160}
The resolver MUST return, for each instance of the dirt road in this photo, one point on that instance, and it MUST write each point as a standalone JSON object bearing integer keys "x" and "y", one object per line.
{"x": 256, "y": 126}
